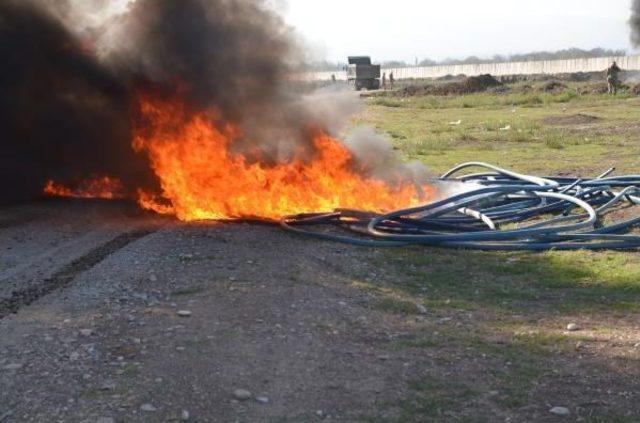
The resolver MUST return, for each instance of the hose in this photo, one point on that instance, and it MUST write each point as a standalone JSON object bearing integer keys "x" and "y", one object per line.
{"x": 495, "y": 210}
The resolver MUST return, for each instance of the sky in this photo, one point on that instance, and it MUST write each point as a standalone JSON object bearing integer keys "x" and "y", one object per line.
{"x": 410, "y": 29}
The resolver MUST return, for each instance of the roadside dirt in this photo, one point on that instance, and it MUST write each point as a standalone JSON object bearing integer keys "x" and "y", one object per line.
{"x": 300, "y": 324}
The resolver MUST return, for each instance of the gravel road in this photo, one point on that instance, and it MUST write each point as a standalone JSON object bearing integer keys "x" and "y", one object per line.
{"x": 112, "y": 314}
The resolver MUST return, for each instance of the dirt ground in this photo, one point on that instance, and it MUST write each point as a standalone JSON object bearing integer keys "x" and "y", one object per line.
{"x": 111, "y": 315}
{"x": 106, "y": 339}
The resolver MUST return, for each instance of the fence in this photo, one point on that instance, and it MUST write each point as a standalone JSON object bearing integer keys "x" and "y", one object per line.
{"x": 499, "y": 69}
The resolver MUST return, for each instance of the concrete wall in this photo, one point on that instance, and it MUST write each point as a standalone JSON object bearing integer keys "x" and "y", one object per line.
{"x": 499, "y": 69}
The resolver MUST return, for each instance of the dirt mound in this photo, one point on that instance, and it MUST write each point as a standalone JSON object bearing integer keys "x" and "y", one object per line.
{"x": 479, "y": 83}
{"x": 553, "y": 87}
{"x": 578, "y": 119}
{"x": 473, "y": 84}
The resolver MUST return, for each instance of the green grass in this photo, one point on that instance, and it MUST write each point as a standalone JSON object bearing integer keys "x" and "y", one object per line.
{"x": 396, "y": 306}
{"x": 489, "y": 100}
{"x": 512, "y": 368}
{"x": 515, "y": 372}
{"x": 565, "y": 281}
{"x": 505, "y": 292}
{"x": 540, "y": 342}
{"x": 424, "y": 129}
{"x": 387, "y": 102}
{"x": 433, "y": 397}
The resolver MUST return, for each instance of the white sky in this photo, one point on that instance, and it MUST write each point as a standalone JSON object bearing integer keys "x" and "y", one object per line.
{"x": 406, "y": 29}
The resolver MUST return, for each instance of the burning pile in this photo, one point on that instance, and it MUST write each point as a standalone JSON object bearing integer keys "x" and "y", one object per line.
{"x": 204, "y": 179}
{"x": 179, "y": 105}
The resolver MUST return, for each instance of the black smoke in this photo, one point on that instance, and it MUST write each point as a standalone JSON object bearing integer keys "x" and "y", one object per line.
{"x": 67, "y": 91}
{"x": 224, "y": 53}
{"x": 634, "y": 22}
{"x": 62, "y": 114}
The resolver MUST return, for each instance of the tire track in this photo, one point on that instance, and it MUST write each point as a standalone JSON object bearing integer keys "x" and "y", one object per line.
{"x": 63, "y": 277}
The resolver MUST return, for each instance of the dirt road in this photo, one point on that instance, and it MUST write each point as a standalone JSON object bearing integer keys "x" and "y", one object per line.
{"x": 103, "y": 336}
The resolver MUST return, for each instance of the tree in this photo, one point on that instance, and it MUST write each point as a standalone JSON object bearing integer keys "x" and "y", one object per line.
{"x": 427, "y": 62}
{"x": 395, "y": 64}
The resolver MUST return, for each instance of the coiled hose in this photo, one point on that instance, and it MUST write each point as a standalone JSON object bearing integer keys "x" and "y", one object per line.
{"x": 497, "y": 210}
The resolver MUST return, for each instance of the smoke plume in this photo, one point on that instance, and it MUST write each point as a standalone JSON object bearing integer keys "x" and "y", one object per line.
{"x": 634, "y": 22}
{"x": 73, "y": 71}
{"x": 227, "y": 54}
{"x": 62, "y": 114}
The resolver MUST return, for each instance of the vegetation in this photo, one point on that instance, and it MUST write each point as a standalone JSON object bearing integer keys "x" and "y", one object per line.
{"x": 516, "y": 129}
{"x": 496, "y": 323}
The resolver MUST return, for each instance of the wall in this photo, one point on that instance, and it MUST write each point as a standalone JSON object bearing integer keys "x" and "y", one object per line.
{"x": 499, "y": 69}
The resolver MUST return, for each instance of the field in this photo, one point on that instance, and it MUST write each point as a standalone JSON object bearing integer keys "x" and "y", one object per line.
{"x": 503, "y": 332}
{"x": 112, "y": 314}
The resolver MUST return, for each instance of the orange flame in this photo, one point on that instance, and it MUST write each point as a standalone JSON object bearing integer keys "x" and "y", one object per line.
{"x": 100, "y": 187}
{"x": 203, "y": 179}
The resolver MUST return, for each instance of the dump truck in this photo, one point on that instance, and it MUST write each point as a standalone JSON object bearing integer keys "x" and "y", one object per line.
{"x": 362, "y": 74}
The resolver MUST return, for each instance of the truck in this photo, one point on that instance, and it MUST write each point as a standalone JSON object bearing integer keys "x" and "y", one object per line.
{"x": 362, "y": 74}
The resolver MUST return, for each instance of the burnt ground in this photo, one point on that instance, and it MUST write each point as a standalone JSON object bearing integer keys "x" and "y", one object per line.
{"x": 90, "y": 330}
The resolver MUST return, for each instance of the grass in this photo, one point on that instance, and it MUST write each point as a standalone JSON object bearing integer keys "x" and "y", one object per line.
{"x": 188, "y": 291}
{"x": 506, "y": 292}
{"x": 396, "y": 306}
{"x": 513, "y": 366}
{"x": 433, "y": 397}
{"x": 507, "y": 282}
{"x": 488, "y": 100}
{"x": 515, "y": 374}
{"x": 509, "y": 130}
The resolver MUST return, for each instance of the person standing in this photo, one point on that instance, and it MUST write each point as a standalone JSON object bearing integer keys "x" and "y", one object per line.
{"x": 613, "y": 82}
{"x": 391, "y": 80}
{"x": 384, "y": 81}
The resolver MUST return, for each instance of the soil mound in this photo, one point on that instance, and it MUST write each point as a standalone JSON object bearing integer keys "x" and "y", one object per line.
{"x": 553, "y": 87}
{"x": 578, "y": 119}
{"x": 473, "y": 84}
{"x": 479, "y": 83}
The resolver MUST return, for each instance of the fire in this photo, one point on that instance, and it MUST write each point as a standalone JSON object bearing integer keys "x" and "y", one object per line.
{"x": 201, "y": 178}
{"x": 103, "y": 187}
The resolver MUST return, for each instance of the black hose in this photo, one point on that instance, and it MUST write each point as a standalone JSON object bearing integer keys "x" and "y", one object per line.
{"x": 472, "y": 218}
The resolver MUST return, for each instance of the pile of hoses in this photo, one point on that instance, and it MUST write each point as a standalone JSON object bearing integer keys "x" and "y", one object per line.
{"x": 495, "y": 210}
